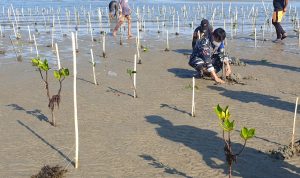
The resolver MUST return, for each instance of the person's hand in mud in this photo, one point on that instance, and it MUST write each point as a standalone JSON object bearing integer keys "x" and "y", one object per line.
{"x": 216, "y": 78}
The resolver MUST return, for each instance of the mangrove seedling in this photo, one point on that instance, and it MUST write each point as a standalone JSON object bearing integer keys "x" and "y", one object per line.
{"x": 228, "y": 126}
{"x": 60, "y": 75}
{"x": 131, "y": 72}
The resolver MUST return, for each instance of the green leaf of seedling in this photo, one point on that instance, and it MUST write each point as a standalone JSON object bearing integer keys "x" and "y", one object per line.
{"x": 145, "y": 49}
{"x": 220, "y": 113}
{"x": 35, "y": 61}
{"x": 251, "y": 133}
{"x": 247, "y": 133}
{"x": 64, "y": 72}
{"x": 57, "y": 75}
{"x": 130, "y": 72}
{"x": 227, "y": 125}
{"x": 44, "y": 65}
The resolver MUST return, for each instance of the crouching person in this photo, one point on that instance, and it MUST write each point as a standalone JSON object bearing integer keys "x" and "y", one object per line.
{"x": 207, "y": 55}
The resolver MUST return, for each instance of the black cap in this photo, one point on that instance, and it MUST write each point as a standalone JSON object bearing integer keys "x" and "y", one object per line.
{"x": 204, "y": 23}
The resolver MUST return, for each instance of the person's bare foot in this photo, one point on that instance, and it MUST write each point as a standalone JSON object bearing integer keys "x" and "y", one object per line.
{"x": 130, "y": 36}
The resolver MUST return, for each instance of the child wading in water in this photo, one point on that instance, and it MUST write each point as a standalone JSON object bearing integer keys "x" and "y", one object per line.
{"x": 125, "y": 13}
{"x": 207, "y": 56}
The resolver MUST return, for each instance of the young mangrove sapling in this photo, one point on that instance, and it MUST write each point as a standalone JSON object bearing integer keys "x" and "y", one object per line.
{"x": 228, "y": 126}
{"x": 60, "y": 75}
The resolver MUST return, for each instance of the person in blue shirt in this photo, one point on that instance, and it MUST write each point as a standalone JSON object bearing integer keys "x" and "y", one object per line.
{"x": 208, "y": 54}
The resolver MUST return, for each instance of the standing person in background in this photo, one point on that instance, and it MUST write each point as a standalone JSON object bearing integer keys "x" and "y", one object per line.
{"x": 125, "y": 13}
{"x": 113, "y": 9}
{"x": 280, "y": 7}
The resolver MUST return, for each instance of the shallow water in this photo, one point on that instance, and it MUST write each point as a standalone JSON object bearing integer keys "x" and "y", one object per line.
{"x": 155, "y": 16}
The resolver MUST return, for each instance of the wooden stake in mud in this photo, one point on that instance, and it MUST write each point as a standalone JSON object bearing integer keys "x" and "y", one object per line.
{"x": 76, "y": 42}
{"x": 193, "y": 98}
{"x": 168, "y": 47}
{"x": 29, "y": 33}
{"x": 177, "y": 33}
{"x": 103, "y": 47}
{"x": 52, "y": 34}
{"x": 94, "y": 65}
{"x": 1, "y": 33}
{"x": 36, "y": 49}
{"x": 299, "y": 36}
{"x": 57, "y": 55}
{"x": 75, "y": 101}
{"x": 138, "y": 50}
{"x": 134, "y": 77}
{"x": 294, "y": 125}
{"x": 255, "y": 42}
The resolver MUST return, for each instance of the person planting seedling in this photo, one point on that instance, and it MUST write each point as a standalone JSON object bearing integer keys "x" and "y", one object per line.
{"x": 228, "y": 126}
{"x": 208, "y": 54}
{"x": 60, "y": 75}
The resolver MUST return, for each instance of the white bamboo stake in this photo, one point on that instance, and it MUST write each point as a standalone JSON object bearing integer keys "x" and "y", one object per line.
{"x": 53, "y": 31}
{"x": 138, "y": 50}
{"x": 57, "y": 56}
{"x": 90, "y": 27}
{"x": 94, "y": 64}
{"x": 76, "y": 41}
{"x": 75, "y": 101}
{"x": 100, "y": 19}
{"x": 103, "y": 47}
{"x": 59, "y": 24}
{"x": 138, "y": 32}
{"x": 157, "y": 25}
{"x": 255, "y": 42}
{"x": 299, "y": 36}
{"x": 14, "y": 30}
{"x": 36, "y": 49}
{"x": 29, "y": 33}
{"x": 168, "y": 47}
{"x": 1, "y": 33}
{"x": 294, "y": 125}
{"x": 174, "y": 22}
{"x": 134, "y": 77}
{"x": 177, "y": 25}
{"x": 193, "y": 98}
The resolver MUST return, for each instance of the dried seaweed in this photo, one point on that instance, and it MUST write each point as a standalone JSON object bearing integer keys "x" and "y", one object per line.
{"x": 51, "y": 172}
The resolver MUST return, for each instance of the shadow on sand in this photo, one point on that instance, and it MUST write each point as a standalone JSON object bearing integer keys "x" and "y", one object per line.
{"x": 270, "y": 64}
{"x": 184, "y": 51}
{"x": 157, "y": 164}
{"x": 36, "y": 113}
{"x": 46, "y": 142}
{"x": 182, "y": 73}
{"x": 252, "y": 163}
{"x": 174, "y": 108}
{"x": 250, "y": 97}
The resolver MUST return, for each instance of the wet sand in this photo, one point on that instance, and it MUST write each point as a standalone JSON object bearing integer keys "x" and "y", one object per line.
{"x": 154, "y": 134}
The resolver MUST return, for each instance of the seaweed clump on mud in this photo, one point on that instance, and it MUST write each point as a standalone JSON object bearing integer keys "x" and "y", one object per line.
{"x": 286, "y": 152}
{"x": 237, "y": 62}
{"x": 51, "y": 172}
